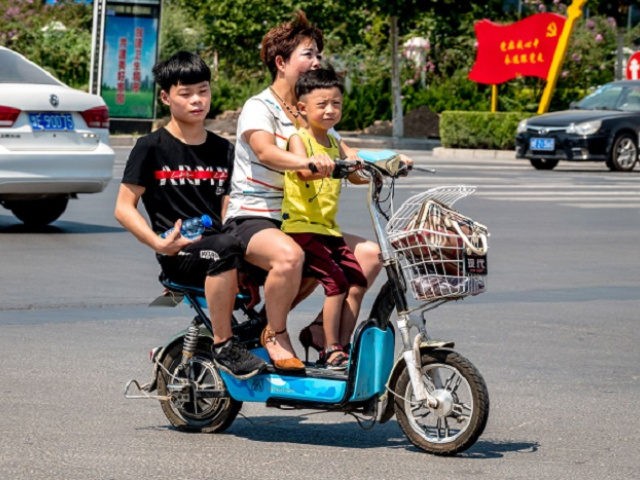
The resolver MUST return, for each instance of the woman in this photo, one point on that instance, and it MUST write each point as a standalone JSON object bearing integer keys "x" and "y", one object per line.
{"x": 254, "y": 212}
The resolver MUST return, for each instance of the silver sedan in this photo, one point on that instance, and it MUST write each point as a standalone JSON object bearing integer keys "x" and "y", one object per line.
{"x": 54, "y": 141}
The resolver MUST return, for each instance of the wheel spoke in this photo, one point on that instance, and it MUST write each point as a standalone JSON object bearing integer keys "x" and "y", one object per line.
{"x": 430, "y": 384}
{"x": 443, "y": 429}
{"x": 453, "y": 382}
{"x": 426, "y": 412}
{"x": 458, "y": 411}
{"x": 437, "y": 380}
{"x": 200, "y": 379}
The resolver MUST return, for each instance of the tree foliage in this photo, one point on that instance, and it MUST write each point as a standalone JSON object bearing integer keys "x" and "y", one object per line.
{"x": 58, "y": 37}
{"x": 228, "y": 35}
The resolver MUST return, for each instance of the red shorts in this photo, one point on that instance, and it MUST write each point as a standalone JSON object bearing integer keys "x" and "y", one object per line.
{"x": 331, "y": 261}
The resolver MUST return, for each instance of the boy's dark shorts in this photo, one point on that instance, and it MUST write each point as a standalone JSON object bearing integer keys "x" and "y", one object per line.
{"x": 213, "y": 254}
{"x": 331, "y": 261}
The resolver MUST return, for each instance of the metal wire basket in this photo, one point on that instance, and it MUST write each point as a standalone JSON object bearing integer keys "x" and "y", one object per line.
{"x": 442, "y": 254}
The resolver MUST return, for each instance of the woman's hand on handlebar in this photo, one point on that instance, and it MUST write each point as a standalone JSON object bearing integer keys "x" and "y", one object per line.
{"x": 321, "y": 164}
{"x": 408, "y": 164}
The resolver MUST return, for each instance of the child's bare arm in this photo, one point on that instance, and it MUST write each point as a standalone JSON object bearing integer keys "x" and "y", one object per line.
{"x": 296, "y": 145}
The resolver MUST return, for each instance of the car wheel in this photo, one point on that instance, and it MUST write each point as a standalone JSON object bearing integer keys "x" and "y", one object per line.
{"x": 624, "y": 154}
{"x": 40, "y": 212}
{"x": 543, "y": 163}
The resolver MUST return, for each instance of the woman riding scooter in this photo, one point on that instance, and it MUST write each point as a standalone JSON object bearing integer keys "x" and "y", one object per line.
{"x": 254, "y": 212}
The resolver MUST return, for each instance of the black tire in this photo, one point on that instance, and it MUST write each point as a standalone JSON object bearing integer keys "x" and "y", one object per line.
{"x": 544, "y": 163}
{"x": 624, "y": 153}
{"x": 40, "y": 212}
{"x": 185, "y": 410}
{"x": 462, "y": 416}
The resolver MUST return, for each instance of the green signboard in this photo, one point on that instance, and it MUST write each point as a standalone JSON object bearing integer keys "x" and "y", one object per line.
{"x": 130, "y": 51}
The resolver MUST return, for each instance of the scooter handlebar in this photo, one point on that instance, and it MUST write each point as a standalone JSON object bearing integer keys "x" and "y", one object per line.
{"x": 389, "y": 166}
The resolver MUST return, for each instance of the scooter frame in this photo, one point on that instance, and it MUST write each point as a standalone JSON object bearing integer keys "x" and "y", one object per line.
{"x": 367, "y": 384}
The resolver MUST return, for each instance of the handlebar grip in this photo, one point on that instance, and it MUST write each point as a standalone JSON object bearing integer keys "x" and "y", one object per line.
{"x": 342, "y": 168}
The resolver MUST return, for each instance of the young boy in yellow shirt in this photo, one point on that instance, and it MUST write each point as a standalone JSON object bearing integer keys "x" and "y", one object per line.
{"x": 309, "y": 212}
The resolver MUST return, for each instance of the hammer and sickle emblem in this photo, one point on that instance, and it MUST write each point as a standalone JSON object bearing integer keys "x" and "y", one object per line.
{"x": 552, "y": 30}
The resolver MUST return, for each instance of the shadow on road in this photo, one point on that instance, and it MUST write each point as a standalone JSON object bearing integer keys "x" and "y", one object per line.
{"x": 8, "y": 225}
{"x": 301, "y": 430}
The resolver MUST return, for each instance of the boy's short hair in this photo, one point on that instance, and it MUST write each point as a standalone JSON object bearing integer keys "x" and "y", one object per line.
{"x": 184, "y": 68}
{"x": 320, "y": 78}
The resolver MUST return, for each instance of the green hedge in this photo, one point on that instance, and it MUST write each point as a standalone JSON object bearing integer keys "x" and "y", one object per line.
{"x": 480, "y": 129}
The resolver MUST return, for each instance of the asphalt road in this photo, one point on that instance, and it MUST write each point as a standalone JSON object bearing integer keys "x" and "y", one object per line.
{"x": 555, "y": 336}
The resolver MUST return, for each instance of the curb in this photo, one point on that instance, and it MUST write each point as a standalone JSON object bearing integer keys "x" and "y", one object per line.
{"x": 358, "y": 141}
{"x": 123, "y": 140}
{"x": 404, "y": 143}
{"x": 443, "y": 152}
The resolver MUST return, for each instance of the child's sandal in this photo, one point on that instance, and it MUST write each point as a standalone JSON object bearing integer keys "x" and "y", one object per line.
{"x": 334, "y": 357}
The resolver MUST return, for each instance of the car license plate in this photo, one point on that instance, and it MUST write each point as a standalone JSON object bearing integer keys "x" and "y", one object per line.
{"x": 542, "y": 144}
{"x": 47, "y": 121}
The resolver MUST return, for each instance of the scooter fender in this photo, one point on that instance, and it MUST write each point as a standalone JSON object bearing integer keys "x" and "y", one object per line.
{"x": 385, "y": 408}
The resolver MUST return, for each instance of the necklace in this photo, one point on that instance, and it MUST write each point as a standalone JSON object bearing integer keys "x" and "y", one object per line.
{"x": 287, "y": 107}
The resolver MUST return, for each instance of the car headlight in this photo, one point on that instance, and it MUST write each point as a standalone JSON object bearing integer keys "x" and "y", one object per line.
{"x": 522, "y": 126}
{"x": 585, "y": 128}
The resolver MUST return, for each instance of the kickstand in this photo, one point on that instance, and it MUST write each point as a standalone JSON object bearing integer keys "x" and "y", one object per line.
{"x": 144, "y": 392}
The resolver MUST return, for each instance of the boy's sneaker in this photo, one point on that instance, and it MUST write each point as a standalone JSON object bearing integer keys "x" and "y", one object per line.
{"x": 235, "y": 359}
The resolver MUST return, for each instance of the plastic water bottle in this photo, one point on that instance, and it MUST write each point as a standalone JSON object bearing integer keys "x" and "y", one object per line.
{"x": 192, "y": 227}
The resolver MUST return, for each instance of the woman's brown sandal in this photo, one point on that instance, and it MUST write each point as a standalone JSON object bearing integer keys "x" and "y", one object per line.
{"x": 334, "y": 357}
{"x": 290, "y": 364}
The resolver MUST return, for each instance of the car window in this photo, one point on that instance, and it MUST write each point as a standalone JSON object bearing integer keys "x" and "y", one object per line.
{"x": 604, "y": 98}
{"x": 631, "y": 100}
{"x": 16, "y": 69}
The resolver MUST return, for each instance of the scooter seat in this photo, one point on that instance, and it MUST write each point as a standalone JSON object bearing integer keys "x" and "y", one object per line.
{"x": 197, "y": 292}
{"x": 181, "y": 288}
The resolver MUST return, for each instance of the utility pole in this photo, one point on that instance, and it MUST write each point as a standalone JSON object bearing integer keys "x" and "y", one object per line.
{"x": 396, "y": 94}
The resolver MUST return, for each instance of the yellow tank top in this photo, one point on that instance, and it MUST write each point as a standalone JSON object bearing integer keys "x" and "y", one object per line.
{"x": 311, "y": 206}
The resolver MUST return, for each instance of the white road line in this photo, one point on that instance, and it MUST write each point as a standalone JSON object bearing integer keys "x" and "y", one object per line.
{"x": 557, "y": 194}
{"x": 603, "y": 205}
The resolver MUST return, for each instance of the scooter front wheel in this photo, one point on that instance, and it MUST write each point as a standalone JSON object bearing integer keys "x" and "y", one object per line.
{"x": 463, "y": 404}
{"x": 198, "y": 401}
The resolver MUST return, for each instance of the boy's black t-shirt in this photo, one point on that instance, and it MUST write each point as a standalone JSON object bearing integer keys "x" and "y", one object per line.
{"x": 180, "y": 180}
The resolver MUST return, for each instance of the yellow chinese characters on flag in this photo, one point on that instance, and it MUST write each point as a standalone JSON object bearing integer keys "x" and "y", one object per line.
{"x": 520, "y": 49}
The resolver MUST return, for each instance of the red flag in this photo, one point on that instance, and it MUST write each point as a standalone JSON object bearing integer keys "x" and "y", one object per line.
{"x": 520, "y": 49}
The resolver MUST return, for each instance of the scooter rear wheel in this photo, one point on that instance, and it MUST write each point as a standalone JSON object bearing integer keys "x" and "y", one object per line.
{"x": 196, "y": 403}
{"x": 463, "y": 408}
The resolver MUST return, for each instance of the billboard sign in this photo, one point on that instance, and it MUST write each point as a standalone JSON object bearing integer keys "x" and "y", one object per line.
{"x": 129, "y": 52}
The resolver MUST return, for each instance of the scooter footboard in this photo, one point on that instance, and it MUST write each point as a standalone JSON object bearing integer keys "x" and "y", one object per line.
{"x": 372, "y": 361}
{"x": 294, "y": 388}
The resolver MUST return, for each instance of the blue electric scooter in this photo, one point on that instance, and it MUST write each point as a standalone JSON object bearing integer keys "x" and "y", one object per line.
{"x": 439, "y": 398}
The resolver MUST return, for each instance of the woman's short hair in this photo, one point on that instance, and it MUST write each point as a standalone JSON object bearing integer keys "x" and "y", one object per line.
{"x": 283, "y": 40}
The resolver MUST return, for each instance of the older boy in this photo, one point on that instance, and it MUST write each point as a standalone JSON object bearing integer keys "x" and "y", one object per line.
{"x": 183, "y": 171}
